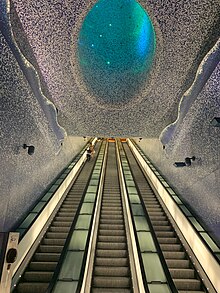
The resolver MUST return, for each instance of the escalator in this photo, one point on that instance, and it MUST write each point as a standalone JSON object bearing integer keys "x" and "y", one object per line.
{"x": 111, "y": 271}
{"x": 183, "y": 273}
{"x": 40, "y": 270}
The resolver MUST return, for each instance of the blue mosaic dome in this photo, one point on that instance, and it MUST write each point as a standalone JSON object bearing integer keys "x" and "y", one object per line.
{"x": 116, "y": 48}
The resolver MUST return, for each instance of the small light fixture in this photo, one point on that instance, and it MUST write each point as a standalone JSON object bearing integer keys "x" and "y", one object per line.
{"x": 186, "y": 163}
{"x": 215, "y": 122}
{"x": 140, "y": 138}
{"x": 30, "y": 148}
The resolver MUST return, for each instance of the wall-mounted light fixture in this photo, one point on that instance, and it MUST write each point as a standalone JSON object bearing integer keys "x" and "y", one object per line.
{"x": 30, "y": 148}
{"x": 215, "y": 122}
{"x": 140, "y": 138}
{"x": 186, "y": 163}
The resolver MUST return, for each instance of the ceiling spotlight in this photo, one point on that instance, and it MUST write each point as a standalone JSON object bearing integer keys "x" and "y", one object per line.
{"x": 30, "y": 148}
{"x": 186, "y": 163}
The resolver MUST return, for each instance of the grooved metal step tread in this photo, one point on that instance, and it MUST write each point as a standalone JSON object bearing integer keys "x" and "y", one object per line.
{"x": 111, "y": 232}
{"x": 45, "y": 256}
{"x": 57, "y": 235}
{"x": 34, "y": 287}
{"x": 112, "y": 262}
{"x": 182, "y": 273}
{"x": 55, "y": 242}
{"x": 42, "y": 266}
{"x": 56, "y": 229}
{"x": 111, "y": 227}
{"x": 111, "y": 245}
{"x": 112, "y": 238}
{"x": 50, "y": 248}
{"x": 187, "y": 284}
{"x": 178, "y": 263}
{"x": 111, "y": 253}
{"x": 107, "y": 290}
{"x": 111, "y": 282}
{"x": 190, "y": 291}
{"x": 174, "y": 254}
{"x": 36, "y": 276}
{"x": 111, "y": 271}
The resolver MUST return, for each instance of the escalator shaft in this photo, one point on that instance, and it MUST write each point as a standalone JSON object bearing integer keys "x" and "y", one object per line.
{"x": 40, "y": 270}
{"x": 182, "y": 271}
{"x": 111, "y": 272}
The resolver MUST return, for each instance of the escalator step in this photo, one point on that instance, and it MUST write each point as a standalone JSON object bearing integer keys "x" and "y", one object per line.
{"x": 59, "y": 229}
{"x": 115, "y": 239}
{"x": 111, "y": 253}
{"x": 174, "y": 254}
{"x": 171, "y": 247}
{"x": 182, "y": 273}
{"x": 111, "y": 209}
{"x": 32, "y": 287}
{"x": 63, "y": 219}
{"x": 178, "y": 263}
{"x": 66, "y": 214}
{"x": 107, "y": 290}
{"x": 110, "y": 221}
{"x": 187, "y": 284}
{"x": 50, "y": 249}
{"x": 51, "y": 257}
{"x": 38, "y": 276}
{"x": 165, "y": 233}
{"x": 42, "y": 266}
{"x": 191, "y": 291}
{"x": 159, "y": 223}
{"x": 163, "y": 240}
{"x": 111, "y": 227}
{"x": 111, "y": 282}
{"x": 162, "y": 228}
{"x": 112, "y": 262}
{"x": 111, "y": 232}
{"x": 111, "y": 271}
{"x": 55, "y": 242}
{"x": 52, "y": 235}
{"x": 112, "y": 212}
{"x": 113, "y": 217}
{"x": 61, "y": 224}
{"x": 111, "y": 245}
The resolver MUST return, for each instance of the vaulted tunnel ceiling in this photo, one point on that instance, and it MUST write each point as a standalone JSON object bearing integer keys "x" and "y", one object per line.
{"x": 51, "y": 35}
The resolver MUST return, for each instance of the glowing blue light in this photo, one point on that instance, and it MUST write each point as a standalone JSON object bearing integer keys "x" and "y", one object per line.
{"x": 129, "y": 44}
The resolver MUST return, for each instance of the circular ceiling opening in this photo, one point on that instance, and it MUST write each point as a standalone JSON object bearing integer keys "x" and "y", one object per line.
{"x": 116, "y": 48}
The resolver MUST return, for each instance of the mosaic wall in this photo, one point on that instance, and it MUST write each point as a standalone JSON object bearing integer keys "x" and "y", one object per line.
{"x": 23, "y": 178}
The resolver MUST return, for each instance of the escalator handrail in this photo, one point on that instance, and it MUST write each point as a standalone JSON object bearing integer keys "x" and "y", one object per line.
{"x": 137, "y": 279}
{"x": 87, "y": 277}
{"x": 159, "y": 251}
{"x": 68, "y": 239}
